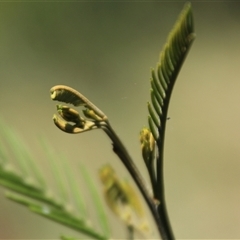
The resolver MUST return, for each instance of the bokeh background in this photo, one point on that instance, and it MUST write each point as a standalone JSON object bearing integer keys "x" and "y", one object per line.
{"x": 105, "y": 50}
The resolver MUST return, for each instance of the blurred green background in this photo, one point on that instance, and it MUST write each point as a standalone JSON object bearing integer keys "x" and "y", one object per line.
{"x": 105, "y": 50}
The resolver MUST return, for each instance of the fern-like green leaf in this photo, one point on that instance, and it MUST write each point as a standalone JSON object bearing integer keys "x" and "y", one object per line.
{"x": 171, "y": 60}
{"x": 34, "y": 193}
{"x": 162, "y": 83}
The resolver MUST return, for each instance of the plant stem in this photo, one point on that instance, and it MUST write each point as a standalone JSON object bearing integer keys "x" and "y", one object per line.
{"x": 122, "y": 153}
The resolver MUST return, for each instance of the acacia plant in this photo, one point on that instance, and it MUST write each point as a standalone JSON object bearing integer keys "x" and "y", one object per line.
{"x": 32, "y": 190}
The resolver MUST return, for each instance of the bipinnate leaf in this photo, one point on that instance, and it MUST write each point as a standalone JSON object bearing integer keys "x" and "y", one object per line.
{"x": 37, "y": 194}
{"x": 171, "y": 60}
{"x": 162, "y": 82}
